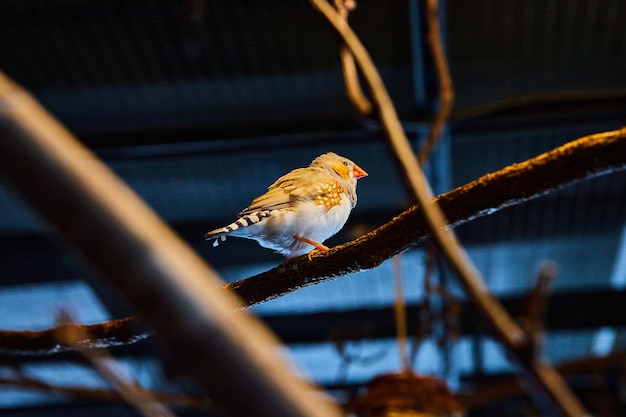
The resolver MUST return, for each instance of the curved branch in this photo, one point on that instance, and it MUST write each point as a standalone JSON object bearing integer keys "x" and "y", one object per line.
{"x": 446, "y": 88}
{"x": 581, "y": 159}
{"x": 350, "y": 75}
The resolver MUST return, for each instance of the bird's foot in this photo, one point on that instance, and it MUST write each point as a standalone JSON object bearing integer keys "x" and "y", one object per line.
{"x": 315, "y": 251}
{"x": 318, "y": 246}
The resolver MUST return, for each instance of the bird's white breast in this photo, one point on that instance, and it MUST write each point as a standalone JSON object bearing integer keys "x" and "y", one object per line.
{"x": 314, "y": 222}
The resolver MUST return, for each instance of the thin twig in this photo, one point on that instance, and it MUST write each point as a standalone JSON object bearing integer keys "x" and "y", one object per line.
{"x": 535, "y": 306}
{"x": 95, "y": 394}
{"x": 543, "y": 99}
{"x": 446, "y": 89}
{"x": 426, "y": 316}
{"x": 400, "y": 313}
{"x": 350, "y": 74}
{"x": 105, "y": 365}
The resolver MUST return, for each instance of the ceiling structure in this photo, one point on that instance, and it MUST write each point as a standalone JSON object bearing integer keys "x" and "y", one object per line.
{"x": 200, "y": 105}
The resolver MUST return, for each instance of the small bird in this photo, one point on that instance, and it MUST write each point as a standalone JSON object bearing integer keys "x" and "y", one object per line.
{"x": 301, "y": 209}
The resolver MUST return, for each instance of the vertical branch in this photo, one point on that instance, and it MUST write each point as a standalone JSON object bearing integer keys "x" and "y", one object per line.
{"x": 425, "y": 310}
{"x": 545, "y": 379}
{"x": 400, "y": 313}
{"x": 532, "y": 316}
{"x": 510, "y": 332}
{"x": 446, "y": 89}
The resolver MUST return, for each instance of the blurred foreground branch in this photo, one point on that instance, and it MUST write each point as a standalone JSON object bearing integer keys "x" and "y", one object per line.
{"x": 97, "y": 394}
{"x": 165, "y": 280}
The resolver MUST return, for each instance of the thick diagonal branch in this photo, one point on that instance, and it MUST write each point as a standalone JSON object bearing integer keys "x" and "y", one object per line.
{"x": 581, "y": 159}
{"x": 166, "y": 281}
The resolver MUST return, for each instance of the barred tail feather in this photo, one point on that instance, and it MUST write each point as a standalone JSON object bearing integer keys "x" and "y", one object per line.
{"x": 244, "y": 221}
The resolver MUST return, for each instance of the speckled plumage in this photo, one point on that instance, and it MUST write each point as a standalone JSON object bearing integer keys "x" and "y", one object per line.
{"x": 301, "y": 209}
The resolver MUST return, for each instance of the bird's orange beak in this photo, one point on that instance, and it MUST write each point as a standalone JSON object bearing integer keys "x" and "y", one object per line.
{"x": 358, "y": 172}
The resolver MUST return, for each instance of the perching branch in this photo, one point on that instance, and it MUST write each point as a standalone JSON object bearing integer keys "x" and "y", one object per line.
{"x": 584, "y": 158}
{"x": 581, "y": 159}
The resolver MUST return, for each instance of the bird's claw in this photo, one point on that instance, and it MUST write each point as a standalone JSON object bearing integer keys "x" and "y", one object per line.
{"x": 315, "y": 251}
{"x": 318, "y": 246}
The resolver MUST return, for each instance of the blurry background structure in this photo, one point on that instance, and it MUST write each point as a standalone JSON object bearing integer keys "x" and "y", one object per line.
{"x": 200, "y": 105}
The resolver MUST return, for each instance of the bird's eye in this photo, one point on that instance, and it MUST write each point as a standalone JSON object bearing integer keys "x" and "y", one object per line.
{"x": 345, "y": 163}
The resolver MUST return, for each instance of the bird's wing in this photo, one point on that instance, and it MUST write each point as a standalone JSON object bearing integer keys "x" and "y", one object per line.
{"x": 284, "y": 192}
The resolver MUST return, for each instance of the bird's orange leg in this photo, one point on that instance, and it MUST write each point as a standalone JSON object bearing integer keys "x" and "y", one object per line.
{"x": 318, "y": 246}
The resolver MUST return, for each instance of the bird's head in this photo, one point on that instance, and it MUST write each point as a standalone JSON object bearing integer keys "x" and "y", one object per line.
{"x": 340, "y": 166}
